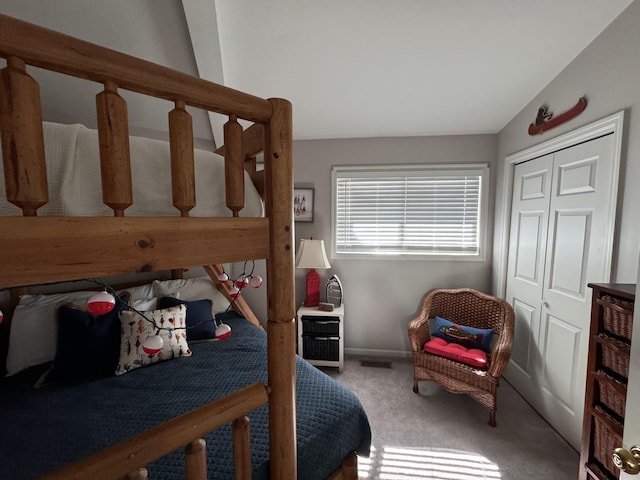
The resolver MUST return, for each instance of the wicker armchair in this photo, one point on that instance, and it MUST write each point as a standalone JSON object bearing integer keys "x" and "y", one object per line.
{"x": 468, "y": 307}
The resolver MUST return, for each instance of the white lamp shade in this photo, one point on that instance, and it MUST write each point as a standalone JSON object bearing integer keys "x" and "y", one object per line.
{"x": 312, "y": 254}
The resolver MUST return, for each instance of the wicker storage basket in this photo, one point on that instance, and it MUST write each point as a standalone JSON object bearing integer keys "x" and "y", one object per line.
{"x": 611, "y": 393}
{"x": 615, "y": 354}
{"x": 607, "y": 437}
{"x": 618, "y": 316}
{"x": 321, "y": 348}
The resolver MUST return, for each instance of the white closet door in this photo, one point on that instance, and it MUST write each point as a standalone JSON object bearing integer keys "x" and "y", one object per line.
{"x": 549, "y": 362}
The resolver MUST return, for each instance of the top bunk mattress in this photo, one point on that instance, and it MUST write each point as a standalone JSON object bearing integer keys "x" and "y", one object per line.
{"x": 44, "y": 429}
{"x": 72, "y": 154}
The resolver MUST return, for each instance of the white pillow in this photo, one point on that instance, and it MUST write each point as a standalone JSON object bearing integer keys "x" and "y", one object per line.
{"x": 142, "y": 292}
{"x": 32, "y": 339}
{"x": 144, "y": 304}
{"x": 190, "y": 289}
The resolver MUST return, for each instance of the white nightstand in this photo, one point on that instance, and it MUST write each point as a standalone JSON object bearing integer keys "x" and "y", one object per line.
{"x": 321, "y": 336}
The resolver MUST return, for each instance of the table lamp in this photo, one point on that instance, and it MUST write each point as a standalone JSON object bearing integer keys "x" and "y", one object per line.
{"x": 312, "y": 255}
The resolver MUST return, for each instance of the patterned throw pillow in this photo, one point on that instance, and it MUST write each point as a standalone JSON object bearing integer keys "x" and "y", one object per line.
{"x": 462, "y": 334}
{"x": 200, "y": 324}
{"x": 134, "y": 329}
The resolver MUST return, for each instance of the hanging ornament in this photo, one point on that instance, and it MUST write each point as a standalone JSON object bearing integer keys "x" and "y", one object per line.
{"x": 223, "y": 277}
{"x": 101, "y": 303}
{"x": 234, "y": 292}
{"x": 255, "y": 282}
{"x": 242, "y": 282}
{"x": 152, "y": 344}
{"x": 223, "y": 331}
{"x": 545, "y": 121}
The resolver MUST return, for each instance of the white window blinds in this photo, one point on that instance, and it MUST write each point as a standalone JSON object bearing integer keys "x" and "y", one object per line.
{"x": 408, "y": 210}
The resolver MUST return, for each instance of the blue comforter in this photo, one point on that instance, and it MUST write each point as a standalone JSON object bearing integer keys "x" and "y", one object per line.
{"x": 43, "y": 429}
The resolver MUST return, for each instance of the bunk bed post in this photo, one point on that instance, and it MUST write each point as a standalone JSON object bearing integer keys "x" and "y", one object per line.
{"x": 242, "y": 447}
{"x": 195, "y": 460}
{"x": 138, "y": 474}
{"x": 113, "y": 136}
{"x": 183, "y": 179}
{"x": 252, "y": 144}
{"x": 280, "y": 292}
{"x": 234, "y": 165}
{"x": 25, "y": 171}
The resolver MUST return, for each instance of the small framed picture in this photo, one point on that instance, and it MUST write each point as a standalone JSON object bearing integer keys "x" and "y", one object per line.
{"x": 303, "y": 204}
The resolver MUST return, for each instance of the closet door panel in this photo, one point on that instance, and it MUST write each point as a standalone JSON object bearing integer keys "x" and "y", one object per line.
{"x": 570, "y": 245}
{"x": 523, "y": 341}
{"x": 577, "y": 176}
{"x": 528, "y": 245}
{"x": 561, "y": 342}
{"x": 525, "y": 275}
{"x": 576, "y": 241}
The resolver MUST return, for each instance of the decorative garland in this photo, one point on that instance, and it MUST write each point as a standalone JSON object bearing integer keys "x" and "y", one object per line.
{"x": 103, "y": 302}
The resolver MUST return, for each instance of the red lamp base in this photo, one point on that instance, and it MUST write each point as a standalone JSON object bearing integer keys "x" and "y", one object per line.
{"x": 313, "y": 289}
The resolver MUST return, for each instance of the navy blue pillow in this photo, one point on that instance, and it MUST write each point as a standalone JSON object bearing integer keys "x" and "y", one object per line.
{"x": 87, "y": 346}
{"x": 464, "y": 335}
{"x": 200, "y": 324}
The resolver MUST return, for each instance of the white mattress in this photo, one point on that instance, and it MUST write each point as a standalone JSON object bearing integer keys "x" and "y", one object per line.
{"x": 73, "y": 173}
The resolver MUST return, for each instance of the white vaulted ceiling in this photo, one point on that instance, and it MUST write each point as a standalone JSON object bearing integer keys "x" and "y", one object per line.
{"x": 371, "y": 68}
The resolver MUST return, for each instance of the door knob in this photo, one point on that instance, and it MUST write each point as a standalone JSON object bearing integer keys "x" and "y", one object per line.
{"x": 627, "y": 460}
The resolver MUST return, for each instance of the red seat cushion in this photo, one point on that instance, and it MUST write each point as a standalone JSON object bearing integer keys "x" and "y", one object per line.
{"x": 473, "y": 357}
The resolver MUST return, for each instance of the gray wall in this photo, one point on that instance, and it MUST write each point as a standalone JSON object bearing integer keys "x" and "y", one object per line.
{"x": 381, "y": 296}
{"x": 608, "y": 73}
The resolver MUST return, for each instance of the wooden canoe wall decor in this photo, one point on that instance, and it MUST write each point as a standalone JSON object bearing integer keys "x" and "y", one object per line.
{"x": 546, "y": 121}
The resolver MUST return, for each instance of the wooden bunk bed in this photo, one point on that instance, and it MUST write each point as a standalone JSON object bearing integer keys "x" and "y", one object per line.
{"x": 37, "y": 249}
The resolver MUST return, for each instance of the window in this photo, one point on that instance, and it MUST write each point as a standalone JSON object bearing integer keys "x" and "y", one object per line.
{"x": 410, "y": 210}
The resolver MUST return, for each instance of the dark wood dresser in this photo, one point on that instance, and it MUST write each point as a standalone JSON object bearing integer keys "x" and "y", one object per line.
{"x": 607, "y": 371}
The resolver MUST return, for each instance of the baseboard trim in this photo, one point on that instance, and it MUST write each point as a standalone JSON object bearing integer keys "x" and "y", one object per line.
{"x": 377, "y": 353}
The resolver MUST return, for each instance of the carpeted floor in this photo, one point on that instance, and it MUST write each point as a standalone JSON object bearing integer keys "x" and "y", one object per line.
{"x": 441, "y": 436}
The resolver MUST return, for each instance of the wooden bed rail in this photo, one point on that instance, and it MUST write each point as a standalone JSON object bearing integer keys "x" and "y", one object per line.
{"x": 53, "y": 249}
{"x": 131, "y": 456}
{"x": 51, "y": 50}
